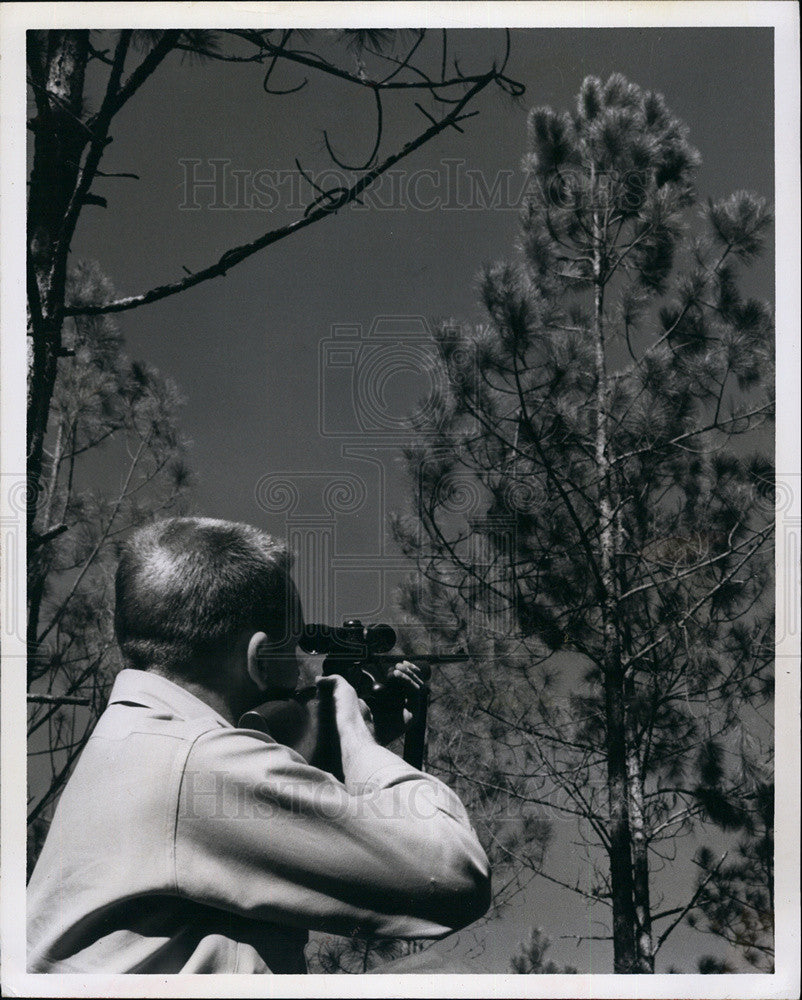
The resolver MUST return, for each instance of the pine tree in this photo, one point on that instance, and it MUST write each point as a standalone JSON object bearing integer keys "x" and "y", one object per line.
{"x": 592, "y": 488}
{"x": 353, "y": 955}
{"x": 736, "y": 891}
{"x": 531, "y": 957}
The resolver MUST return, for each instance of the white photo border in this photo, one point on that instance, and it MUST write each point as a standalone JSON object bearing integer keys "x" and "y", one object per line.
{"x": 15, "y": 19}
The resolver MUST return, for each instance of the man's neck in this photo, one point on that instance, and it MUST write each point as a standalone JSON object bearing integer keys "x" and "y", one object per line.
{"x": 211, "y": 698}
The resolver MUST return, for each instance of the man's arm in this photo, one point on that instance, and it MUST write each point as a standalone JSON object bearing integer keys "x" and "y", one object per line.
{"x": 260, "y": 832}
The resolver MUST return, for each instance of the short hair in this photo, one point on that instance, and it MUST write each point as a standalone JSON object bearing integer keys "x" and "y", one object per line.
{"x": 187, "y": 587}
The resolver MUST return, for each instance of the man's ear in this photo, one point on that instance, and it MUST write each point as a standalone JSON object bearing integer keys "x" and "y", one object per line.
{"x": 257, "y": 661}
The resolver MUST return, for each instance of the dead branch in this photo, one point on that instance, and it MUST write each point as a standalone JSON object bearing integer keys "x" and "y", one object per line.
{"x": 334, "y": 202}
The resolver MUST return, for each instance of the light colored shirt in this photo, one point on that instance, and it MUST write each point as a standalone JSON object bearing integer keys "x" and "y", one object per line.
{"x": 184, "y": 844}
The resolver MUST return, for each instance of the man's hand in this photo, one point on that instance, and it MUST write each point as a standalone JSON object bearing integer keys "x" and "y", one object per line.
{"x": 353, "y": 717}
{"x": 351, "y": 714}
{"x": 411, "y": 676}
{"x": 408, "y": 678}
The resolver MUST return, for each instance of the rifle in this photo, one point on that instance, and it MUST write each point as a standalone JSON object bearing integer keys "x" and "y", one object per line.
{"x": 362, "y": 655}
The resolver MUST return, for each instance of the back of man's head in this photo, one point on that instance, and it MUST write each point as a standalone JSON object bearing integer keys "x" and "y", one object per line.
{"x": 187, "y": 588}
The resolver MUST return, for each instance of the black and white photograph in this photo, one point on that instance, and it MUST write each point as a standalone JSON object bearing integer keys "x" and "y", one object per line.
{"x": 400, "y": 499}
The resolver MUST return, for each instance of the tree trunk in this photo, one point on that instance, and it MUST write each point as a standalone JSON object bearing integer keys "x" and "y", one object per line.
{"x": 644, "y": 943}
{"x": 57, "y": 73}
{"x": 621, "y": 883}
{"x": 640, "y": 862}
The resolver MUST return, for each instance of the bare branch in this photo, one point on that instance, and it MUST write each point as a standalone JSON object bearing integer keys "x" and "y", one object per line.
{"x": 690, "y": 904}
{"x": 237, "y": 254}
{"x": 640, "y": 653}
{"x": 157, "y": 54}
{"x": 39, "y": 540}
{"x": 101, "y": 173}
{"x": 405, "y": 61}
{"x": 56, "y": 699}
{"x": 99, "y": 544}
{"x": 317, "y": 63}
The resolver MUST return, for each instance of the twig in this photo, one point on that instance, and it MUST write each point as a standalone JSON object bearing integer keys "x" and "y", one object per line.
{"x": 101, "y": 173}
{"x": 76, "y": 583}
{"x": 166, "y": 43}
{"x": 691, "y": 903}
{"x": 39, "y": 540}
{"x": 579, "y": 938}
{"x": 374, "y": 152}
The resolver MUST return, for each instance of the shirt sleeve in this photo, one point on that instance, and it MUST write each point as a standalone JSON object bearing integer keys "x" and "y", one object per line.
{"x": 261, "y": 833}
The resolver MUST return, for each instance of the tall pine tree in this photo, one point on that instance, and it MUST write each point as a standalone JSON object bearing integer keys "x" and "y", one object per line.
{"x": 592, "y": 477}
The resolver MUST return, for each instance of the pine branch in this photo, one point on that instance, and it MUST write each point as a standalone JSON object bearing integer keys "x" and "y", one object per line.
{"x": 678, "y": 817}
{"x": 455, "y": 772}
{"x": 553, "y": 878}
{"x": 556, "y": 479}
{"x": 99, "y": 544}
{"x": 90, "y": 670}
{"x": 402, "y": 63}
{"x": 639, "y": 654}
{"x": 37, "y": 541}
{"x": 540, "y": 735}
{"x": 375, "y": 151}
{"x": 315, "y": 62}
{"x": 697, "y": 567}
{"x": 579, "y": 938}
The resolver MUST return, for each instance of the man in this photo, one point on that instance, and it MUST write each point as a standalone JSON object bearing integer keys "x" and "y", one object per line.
{"x": 185, "y": 844}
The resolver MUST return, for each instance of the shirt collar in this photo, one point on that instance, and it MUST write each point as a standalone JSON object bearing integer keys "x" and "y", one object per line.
{"x": 142, "y": 687}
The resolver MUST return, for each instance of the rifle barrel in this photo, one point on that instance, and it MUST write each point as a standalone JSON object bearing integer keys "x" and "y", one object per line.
{"x": 422, "y": 657}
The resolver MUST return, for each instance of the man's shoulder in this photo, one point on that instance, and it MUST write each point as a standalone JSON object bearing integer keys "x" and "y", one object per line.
{"x": 122, "y": 720}
{"x": 134, "y": 747}
{"x": 150, "y": 736}
{"x": 243, "y": 748}
{"x": 245, "y": 764}
{"x": 120, "y": 802}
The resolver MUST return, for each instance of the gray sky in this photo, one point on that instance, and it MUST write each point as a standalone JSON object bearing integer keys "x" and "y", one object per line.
{"x": 245, "y": 349}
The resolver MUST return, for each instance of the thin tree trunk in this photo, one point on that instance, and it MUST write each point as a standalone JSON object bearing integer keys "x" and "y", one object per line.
{"x": 46, "y": 349}
{"x": 621, "y": 882}
{"x": 644, "y": 942}
{"x": 37, "y": 562}
{"x": 640, "y": 862}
